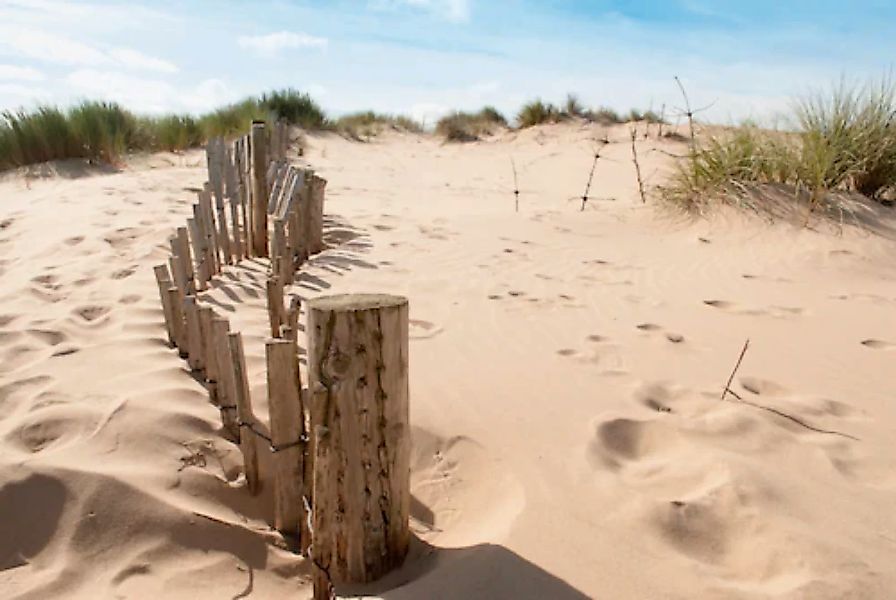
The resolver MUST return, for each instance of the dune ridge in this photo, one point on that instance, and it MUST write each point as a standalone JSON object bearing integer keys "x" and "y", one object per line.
{"x": 566, "y": 368}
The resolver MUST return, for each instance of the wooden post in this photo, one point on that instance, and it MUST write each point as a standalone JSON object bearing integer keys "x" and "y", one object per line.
{"x": 224, "y": 235}
{"x": 175, "y": 299}
{"x": 213, "y": 244}
{"x": 259, "y": 152}
{"x": 274, "y": 289}
{"x": 235, "y": 224}
{"x": 164, "y": 282}
{"x": 198, "y": 238}
{"x": 183, "y": 250}
{"x": 194, "y": 334}
{"x": 358, "y": 357}
{"x": 247, "y": 420}
{"x": 226, "y": 381}
{"x": 287, "y": 436}
{"x": 316, "y": 215}
{"x": 282, "y": 268}
{"x": 206, "y": 314}
{"x": 246, "y": 215}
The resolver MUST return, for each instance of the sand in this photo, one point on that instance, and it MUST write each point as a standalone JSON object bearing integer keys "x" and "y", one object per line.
{"x": 566, "y": 372}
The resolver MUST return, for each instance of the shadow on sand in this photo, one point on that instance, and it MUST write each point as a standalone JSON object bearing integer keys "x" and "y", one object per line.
{"x": 483, "y": 571}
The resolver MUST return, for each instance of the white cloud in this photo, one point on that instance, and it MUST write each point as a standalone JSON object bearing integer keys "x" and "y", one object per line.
{"x": 16, "y": 93}
{"x": 272, "y": 43}
{"x": 133, "y": 59}
{"x": 45, "y": 47}
{"x": 11, "y": 72}
{"x": 452, "y": 10}
{"x": 146, "y": 95}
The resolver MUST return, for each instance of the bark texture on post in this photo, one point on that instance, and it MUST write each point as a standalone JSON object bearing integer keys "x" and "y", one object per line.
{"x": 245, "y": 416}
{"x": 316, "y": 215}
{"x": 287, "y": 436}
{"x": 259, "y": 150}
{"x": 276, "y": 310}
{"x": 358, "y": 362}
{"x": 194, "y": 334}
{"x": 163, "y": 279}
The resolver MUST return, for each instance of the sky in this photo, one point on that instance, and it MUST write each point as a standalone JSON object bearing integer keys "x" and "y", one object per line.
{"x": 745, "y": 59}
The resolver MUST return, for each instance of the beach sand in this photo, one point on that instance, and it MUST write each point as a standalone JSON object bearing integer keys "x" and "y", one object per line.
{"x": 566, "y": 369}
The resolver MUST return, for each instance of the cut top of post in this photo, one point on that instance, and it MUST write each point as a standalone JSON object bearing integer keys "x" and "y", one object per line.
{"x": 351, "y": 302}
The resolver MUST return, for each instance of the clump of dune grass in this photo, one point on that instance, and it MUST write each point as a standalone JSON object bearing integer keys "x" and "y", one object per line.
{"x": 604, "y": 116}
{"x": 367, "y": 124}
{"x": 844, "y": 140}
{"x": 92, "y": 130}
{"x": 105, "y": 131}
{"x": 294, "y": 107}
{"x": 573, "y": 107}
{"x": 538, "y": 112}
{"x": 172, "y": 133}
{"x": 468, "y": 127}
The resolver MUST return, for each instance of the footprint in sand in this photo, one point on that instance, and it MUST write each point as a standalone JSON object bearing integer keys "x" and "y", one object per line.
{"x": 123, "y": 273}
{"x": 878, "y": 344}
{"x": 49, "y": 337}
{"x": 675, "y": 338}
{"x": 723, "y": 304}
{"x": 92, "y": 313}
{"x": 422, "y": 330}
{"x": 621, "y": 442}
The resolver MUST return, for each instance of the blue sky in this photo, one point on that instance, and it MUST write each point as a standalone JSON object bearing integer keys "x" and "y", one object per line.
{"x": 424, "y": 57}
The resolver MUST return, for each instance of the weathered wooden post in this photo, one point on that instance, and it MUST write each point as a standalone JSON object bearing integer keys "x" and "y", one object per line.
{"x": 358, "y": 363}
{"x": 226, "y": 380}
{"x": 198, "y": 239}
{"x": 194, "y": 334}
{"x": 163, "y": 279}
{"x": 245, "y": 416}
{"x": 175, "y": 299}
{"x": 259, "y": 150}
{"x": 206, "y": 314}
{"x": 316, "y": 215}
{"x": 276, "y": 310}
{"x": 287, "y": 436}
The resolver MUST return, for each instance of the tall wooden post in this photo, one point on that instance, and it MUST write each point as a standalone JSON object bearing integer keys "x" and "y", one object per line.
{"x": 245, "y": 416}
{"x": 358, "y": 362}
{"x": 226, "y": 381}
{"x": 287, "y": 436}
{"x": 163, "y": 279}
{"x": 316, "y": 215}
{"x": 194, "y": 334}
{"x": 259, "y": 151}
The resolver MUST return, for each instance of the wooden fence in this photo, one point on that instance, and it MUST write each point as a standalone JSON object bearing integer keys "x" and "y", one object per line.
{"x": 340, "y": 447}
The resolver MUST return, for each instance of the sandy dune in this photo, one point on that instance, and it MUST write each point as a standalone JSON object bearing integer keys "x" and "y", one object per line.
{"x": 566, "y": 368}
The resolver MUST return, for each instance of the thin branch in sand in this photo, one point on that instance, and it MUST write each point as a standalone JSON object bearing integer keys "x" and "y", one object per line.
{"x": 771, "y": 409}
{"x": 736, "y": 367}
{"x": 689, "y": 112}
{"x": 516, "y": 187}
{"x": 634, "y": 133}
{"x": 687, "y": 104}
{"x": 585, "y": 195}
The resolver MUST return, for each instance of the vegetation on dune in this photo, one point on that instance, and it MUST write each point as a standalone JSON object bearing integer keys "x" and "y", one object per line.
{"x": 538, "y": 112}
{"x": 366, "y": 124}
{"x": 844, "y": 140}
{"x": 105, "y": 131}
{"x": 467, "y": 127}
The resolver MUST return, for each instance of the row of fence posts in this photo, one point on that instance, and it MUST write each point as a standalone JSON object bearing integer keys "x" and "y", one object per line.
{"x": 340, "y": 447}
